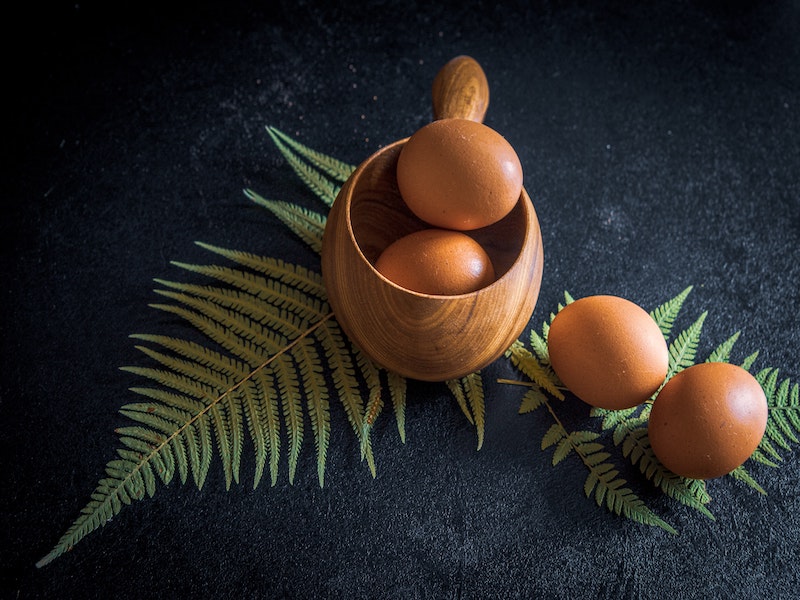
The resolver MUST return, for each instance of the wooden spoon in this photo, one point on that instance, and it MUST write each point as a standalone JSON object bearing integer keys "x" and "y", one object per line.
{"x": 426, "y": 336}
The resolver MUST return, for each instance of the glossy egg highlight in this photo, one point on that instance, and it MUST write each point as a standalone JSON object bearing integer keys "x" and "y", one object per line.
{"x": 437, "y": 261}
{"x": 459, "y": 174}
{"x": 707, "y": 420}
{"x": 608, "y": 351}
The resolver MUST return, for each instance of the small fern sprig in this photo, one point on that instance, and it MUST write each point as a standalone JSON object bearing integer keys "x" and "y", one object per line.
{"x": 628, "y": 427}
{"x": 468, "y": 392}
{"x": 603, "y": 480}
{"x": 321, "y": 173}
{"x": 783, "y": 424}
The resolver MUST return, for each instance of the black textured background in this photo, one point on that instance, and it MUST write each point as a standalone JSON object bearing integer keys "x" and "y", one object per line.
{"x": 661, "y": 146}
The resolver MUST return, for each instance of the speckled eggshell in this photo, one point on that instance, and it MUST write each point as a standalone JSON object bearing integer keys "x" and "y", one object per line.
{"x": 437, "y": 261}
{"x": 707, "y": 420}
{"x": 459, "y": 174}
{"x": 608, "y": 351}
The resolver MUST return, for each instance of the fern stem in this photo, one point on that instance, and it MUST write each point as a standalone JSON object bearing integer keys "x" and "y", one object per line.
{"x": 531, "y": 384}
{"x": 91, "y": 520}
{"x": 644, "y": 514}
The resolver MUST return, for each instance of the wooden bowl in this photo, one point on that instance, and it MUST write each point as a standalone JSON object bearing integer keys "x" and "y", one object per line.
{"x": 424, "y": 336}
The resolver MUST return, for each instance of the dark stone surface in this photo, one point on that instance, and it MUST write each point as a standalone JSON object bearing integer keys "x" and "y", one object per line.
{"x": 660, "y": 146}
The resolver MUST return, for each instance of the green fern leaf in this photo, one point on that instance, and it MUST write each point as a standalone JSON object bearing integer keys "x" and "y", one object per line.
{"x": 337, "y": 169}
{"x": 539, "y": 347}
{"x": 722, "y": 353}
{"x": 619, "y": 420}
{"x": 316, "y": 393}
{"x": 468, "y": 392}
{"x": 397, "y": 391}
{"x": 316, "y": 180}
{"x": 461, "y": 398}
{"x": 683, "y": 349}
{"x": 295, "y": 276}
{"x": 741, "y": 474}
{"x": 692, "y": 493}
{"x": 373, "y": 407}
{"x": 622, "y": 500}
{"x": 665, "y": 314}
{"x": 526, "y": 362}
{"x": 554, "y": 435}
{"x": 603, "y": 479}
{"x": 563, "y": 448}
{"x": 533, "y": 399}
{"x": 307, "y": 224}
{"x": 473, "y": 385}
{"x": 748, "y": 362}
{"x": 783, "y": 422}
{"x": 274, "y": 337}
{"x": 341, "y": 365}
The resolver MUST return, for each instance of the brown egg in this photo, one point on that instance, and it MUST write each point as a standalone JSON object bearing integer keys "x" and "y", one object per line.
{"x": 707, "y": 420}
{"x": 437, "y": 261}
{"x": 459, "y": 174}
{"x": 608, "y": 351}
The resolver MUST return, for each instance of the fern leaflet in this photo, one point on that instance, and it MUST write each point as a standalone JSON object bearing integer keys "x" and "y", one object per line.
{"x": 316, "y": 174}
{"x": 665, "y": 314}
{"x": 306, "y": 224}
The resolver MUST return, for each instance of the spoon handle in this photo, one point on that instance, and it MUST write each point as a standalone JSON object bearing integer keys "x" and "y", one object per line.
{"x": 460, "y": 90}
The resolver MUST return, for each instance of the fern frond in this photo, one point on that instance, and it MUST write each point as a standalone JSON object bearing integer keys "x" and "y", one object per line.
{"x": 307, "y": 224}
{"x": 783, "y": 422}
{"x": 636, "y": 447}
{"x": 335, "y": 168}
{"x": 533, "y": 399}
{"x": 621, "y": 500}
{"x": 397, "y": 391}
{"x": 296, "y": 276}
{"x": 619, "y": 420}
{"x": 371, "y": 375}
{"x": 342, "y": 370}
{"x": 468, "y": 391}
{"x": 539, "y": 347}
{"x": 741, "y": 474}
{"x": 526, "y": 362}
{"x": 603, "y": 478}
{"x": 461, "y": 398}
{"x": 722, "y": 353}
{"x": 683, "y": 348}
{"x": 747, "y": 363}
{"x": 311, "y": 174}
{"x": 276, "y": 339}
{"x": 665, "y": 314}
{"x": 269, "y": 425}
{"x": 316, "y": 393}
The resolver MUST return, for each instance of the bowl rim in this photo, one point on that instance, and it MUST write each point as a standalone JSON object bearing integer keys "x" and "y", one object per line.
{"x": 347, "y": 190}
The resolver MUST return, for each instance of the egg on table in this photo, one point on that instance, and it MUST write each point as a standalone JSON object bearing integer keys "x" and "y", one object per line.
{"x": 437, "y": 261}
{"x": 459, "y": 174}
{"x": 608, "y": 351}
{"x": 707, "y": 420}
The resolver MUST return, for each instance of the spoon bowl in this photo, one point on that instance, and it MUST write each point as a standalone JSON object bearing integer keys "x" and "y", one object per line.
{"x": 426, "y": 336}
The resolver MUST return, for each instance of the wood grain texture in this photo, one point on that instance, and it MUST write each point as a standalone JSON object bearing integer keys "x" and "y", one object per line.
{"x": 422, "y": 336}
{"x": 460, "y": 90}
